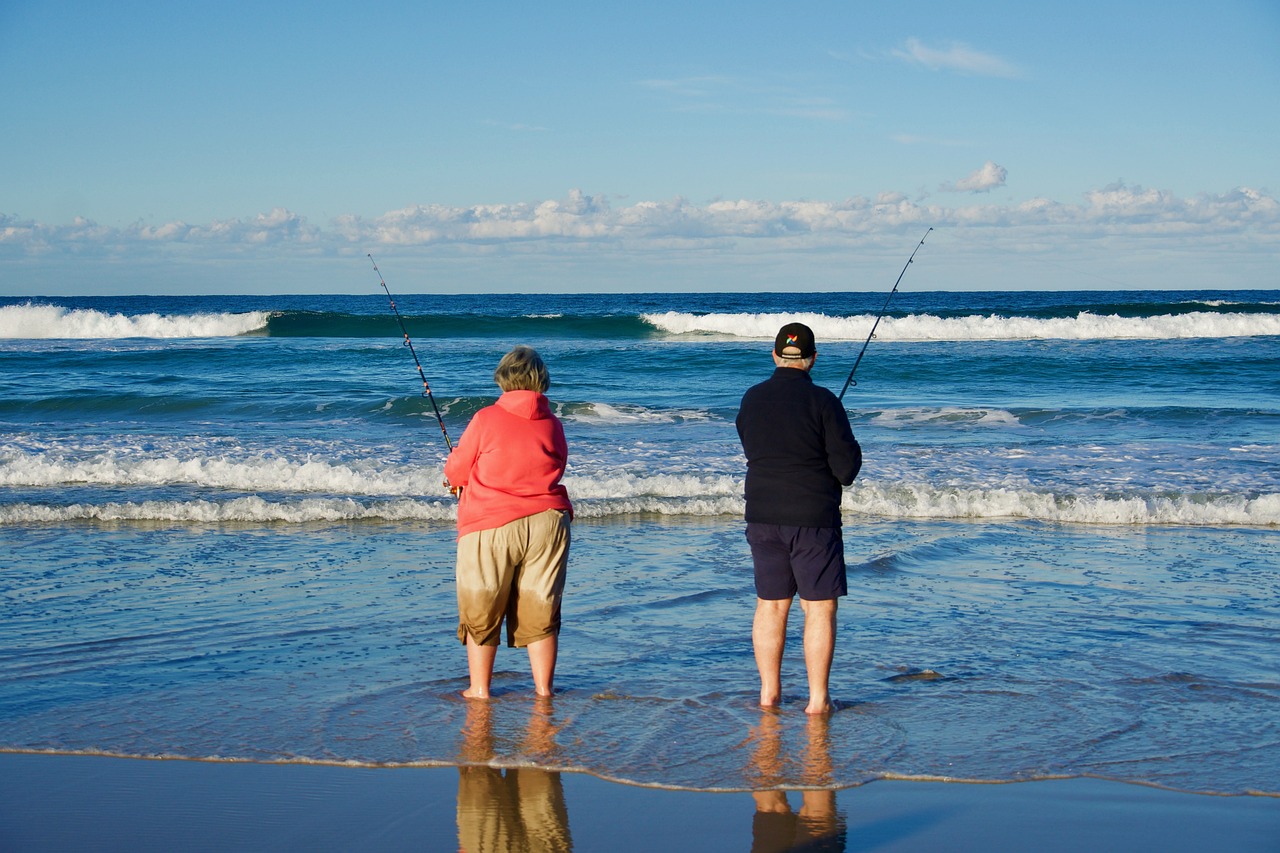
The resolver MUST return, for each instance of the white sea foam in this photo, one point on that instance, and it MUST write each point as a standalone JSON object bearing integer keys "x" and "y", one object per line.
{"x": 897, "y": 501}
{"x": 927, "y": 327}
{"x": 929, "y": 501}
{"x": 262, "y": 473}
{"x": 221, "y": 481}
{"x": 656, "y": 505}
{"x": 948, "y": 415}
{"x": 605, "y": 413}
{"x": 247, "y": 509}
{"x": 51, "y": 321}
{"x": 678, "y": 487}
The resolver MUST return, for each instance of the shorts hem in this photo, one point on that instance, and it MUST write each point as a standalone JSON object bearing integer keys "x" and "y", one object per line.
{"x": 464, "y": 632}
{"x": 522, "y": 642}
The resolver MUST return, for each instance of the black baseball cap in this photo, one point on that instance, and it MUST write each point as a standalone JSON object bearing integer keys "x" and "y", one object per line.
{"x": 794, "y": 340}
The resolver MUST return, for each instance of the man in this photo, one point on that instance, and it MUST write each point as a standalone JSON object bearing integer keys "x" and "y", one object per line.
{"x": 800, "y": 454}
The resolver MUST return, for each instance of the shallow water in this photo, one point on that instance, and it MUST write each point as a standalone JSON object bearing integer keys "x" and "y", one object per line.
{"x": 1063, "y": 546}
{"x": 967, "y": 650}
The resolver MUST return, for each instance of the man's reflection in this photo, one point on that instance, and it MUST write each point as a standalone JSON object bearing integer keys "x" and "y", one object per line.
{"x": 519, "y": 809}
{"x": 775, "y": 827}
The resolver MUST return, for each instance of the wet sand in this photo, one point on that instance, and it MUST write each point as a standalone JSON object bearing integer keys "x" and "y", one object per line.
{"x": 76, "y": 802}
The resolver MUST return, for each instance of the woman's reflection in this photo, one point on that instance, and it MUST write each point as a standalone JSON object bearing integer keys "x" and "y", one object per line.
{"x": 519, "y": 809}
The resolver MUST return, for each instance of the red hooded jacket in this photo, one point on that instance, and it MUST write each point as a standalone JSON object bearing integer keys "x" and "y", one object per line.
{"x": 509, "y": 462}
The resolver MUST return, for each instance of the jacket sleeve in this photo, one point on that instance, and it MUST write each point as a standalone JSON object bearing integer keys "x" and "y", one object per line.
{"x": 458, "y": 467}
{"x": 562, "y": 446}
{"x": 844, "y": 454}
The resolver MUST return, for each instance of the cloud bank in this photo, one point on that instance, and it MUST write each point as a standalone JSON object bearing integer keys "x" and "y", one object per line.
{"x": 581, "y": 221}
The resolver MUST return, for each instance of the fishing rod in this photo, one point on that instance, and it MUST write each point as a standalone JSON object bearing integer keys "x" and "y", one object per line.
{"x": 865, "y": 343}
{"x": 426, "y": 387}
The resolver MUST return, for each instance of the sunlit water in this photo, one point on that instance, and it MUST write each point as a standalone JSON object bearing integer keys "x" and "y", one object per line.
{"x": 1063, "y": 553}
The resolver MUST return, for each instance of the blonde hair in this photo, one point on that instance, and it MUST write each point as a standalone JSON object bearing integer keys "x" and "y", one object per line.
{"x": 522, "y": 369}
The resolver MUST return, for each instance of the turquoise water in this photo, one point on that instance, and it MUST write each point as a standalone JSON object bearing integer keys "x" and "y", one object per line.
{"x": 224, "y": 535}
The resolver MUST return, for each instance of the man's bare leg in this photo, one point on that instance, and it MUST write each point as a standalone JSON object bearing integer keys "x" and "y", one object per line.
{"x": 769, "y": 637}
{"x": 819, "y": 650}
{"x": 542, "y": 662}
{"x": 819, "y": 818}
{"x": 480, "y": 667}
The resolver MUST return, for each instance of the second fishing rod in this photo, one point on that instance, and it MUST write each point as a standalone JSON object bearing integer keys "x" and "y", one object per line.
{"x": 849, "y": 381}
{"x": 426, "y": 386}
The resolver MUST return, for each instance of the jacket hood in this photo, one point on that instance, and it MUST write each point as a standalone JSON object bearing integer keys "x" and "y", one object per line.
{"x": 525, "y": 404}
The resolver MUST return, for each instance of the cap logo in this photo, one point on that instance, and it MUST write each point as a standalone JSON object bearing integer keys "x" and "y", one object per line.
{"x": 792, "y": 339}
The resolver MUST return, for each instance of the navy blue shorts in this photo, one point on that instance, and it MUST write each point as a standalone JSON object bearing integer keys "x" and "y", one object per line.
{"x": 790, "y": 560}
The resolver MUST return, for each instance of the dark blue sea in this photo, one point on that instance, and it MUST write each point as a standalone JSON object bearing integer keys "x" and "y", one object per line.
{"x": 223, "y": 535}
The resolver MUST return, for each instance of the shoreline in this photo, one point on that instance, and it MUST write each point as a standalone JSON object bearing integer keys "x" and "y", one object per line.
{"x": 59, "y": 802}
{"x": 498, "y": 763}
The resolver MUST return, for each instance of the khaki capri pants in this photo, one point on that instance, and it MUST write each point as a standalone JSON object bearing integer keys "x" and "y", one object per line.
{"x": 517, "y": 572}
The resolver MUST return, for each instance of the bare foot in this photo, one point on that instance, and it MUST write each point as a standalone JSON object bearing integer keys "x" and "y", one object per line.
{"x": 473, "y": 693}
{"x": 816, "y": 708}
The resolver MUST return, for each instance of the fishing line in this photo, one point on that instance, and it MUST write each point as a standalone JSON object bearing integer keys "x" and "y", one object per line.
{"x": 872, "y": 334}
{"x": 426, "y": 387}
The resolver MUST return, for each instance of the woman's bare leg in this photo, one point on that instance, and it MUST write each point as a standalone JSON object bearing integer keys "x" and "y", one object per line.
{"x": 480, "y": 666}
{"x": 542, "y": 662}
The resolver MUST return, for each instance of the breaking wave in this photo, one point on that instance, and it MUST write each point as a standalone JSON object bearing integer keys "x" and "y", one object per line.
{"x": 693, "y": 497}
{"x": 991, "y": 327}
{"x": 32, "y": 321}
{"x": 1092, "y": 322}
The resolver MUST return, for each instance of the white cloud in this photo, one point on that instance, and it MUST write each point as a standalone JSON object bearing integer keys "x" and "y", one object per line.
{"x": 598, "y": 243}
{"x": 275, "y": 227}
{"x": 957, "y": 57}
{"x": 581, "y": 222}
{"x": 991, "y": 176}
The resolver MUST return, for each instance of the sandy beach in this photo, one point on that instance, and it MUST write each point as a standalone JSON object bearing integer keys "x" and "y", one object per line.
{"x": 62, "y": 802}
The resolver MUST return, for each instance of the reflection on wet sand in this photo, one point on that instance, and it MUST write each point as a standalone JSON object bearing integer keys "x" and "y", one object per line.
{"x": 775, "y": 827}
{"x": 505, "y": 810}
{"x": 517, "y": 809}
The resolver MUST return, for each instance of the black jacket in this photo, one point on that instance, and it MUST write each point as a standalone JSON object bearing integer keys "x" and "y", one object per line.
{"x": 800, "y": 451}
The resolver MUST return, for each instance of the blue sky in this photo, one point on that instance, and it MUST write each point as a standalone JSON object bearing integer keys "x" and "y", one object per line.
{"x": 159, "y": 147}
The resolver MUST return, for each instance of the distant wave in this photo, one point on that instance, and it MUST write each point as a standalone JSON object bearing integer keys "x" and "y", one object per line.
{"x": 319, "y": 324}
{"x": 34, "y": 321}
{"x": 992, "y": 327}
{"x": 31, "y": 321}
{"x": 40, "y": 321}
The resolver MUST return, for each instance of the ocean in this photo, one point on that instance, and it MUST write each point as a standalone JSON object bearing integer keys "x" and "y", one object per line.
{"x": 223, "y": 536}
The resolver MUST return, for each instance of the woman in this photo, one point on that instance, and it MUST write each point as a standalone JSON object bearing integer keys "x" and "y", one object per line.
{"x": 513, "y": 524}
